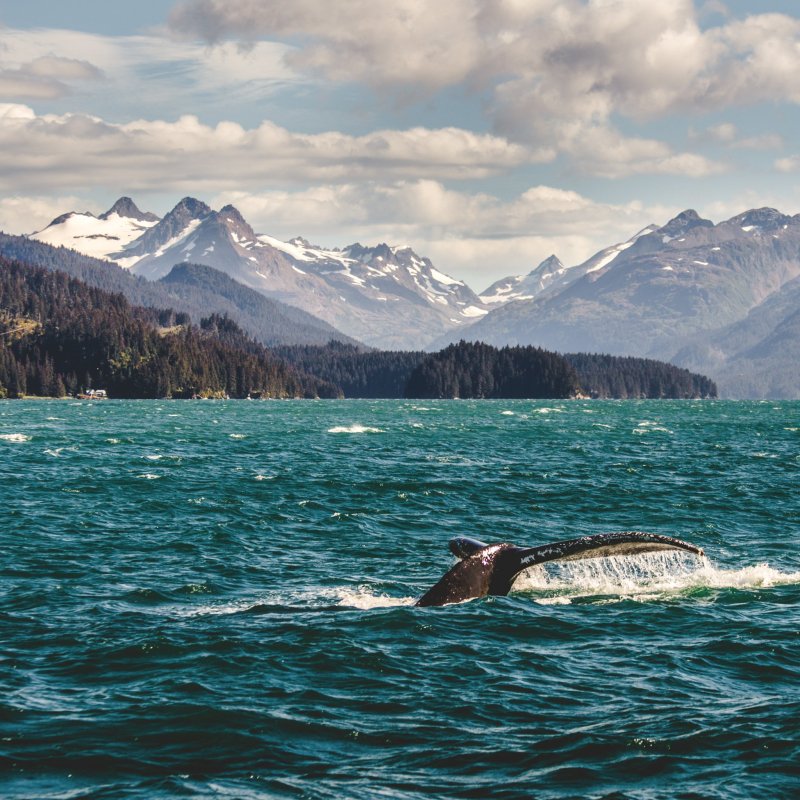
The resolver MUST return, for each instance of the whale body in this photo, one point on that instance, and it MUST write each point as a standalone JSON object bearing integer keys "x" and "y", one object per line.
{"x": 491, "y": 569}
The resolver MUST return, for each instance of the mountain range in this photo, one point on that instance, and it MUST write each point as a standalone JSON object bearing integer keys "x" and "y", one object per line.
{"x": 719, "y": 299}
{"x": 388, "y": 297}
{"x": 722, "y": 299}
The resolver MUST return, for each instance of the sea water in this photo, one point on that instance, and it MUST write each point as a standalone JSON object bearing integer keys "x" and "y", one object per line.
{"x": 215, "y": 599}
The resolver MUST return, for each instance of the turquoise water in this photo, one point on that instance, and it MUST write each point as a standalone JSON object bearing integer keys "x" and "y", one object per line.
{"x": 214, "y": 599}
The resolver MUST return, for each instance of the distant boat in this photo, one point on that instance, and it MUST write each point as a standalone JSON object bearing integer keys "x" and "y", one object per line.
{"x": 93, "y": 394}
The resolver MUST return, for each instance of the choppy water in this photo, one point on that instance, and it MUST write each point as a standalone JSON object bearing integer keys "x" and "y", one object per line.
{"x": 214, "y": 599}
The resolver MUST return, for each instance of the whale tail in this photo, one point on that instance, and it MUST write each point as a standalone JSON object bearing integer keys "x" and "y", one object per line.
{"x": 492, "y": 569}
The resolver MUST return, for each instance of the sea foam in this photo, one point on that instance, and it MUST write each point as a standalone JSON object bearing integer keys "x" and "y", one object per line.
{"x": 355, "y": 428}
{"x": 14, "y": 437}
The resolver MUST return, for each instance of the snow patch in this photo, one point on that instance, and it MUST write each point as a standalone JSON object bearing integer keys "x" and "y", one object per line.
{"x": 610, "y": 255}
{"x": 474, "y": 311}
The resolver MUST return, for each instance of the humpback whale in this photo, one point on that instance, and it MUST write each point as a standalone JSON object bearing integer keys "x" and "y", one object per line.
{"x": 491, "y": 569}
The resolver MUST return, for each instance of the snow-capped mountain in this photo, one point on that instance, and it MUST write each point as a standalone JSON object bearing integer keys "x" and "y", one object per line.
{"x": 524, "y": 287}
{"x": 552, "y": 276}
{"x": 385, "y": 296}
{"x": 98, "y": 237}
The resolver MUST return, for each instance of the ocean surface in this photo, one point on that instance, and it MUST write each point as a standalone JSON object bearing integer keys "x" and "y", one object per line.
{"x": 215, "y": 600}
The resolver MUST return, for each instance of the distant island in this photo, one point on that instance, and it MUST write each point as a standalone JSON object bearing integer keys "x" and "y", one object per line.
{"x": 61, "y": 337}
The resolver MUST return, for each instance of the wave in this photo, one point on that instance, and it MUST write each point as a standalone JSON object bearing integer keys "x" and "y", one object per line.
{"x": 648, "y": 426}
{"x": 365, "y": 599}
{"x": 650, "y": 576}
{"x": 360, "y": 597}
{"x": 14, "y": 437}
{"x": 355, "y": 428}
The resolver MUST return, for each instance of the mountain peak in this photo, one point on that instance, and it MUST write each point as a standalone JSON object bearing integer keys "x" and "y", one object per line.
{"x": 61, "y": 218}
{"x": 190, "y": 207}
{"x": 235, "y": 222}
{"x": 552, "y": 262}
{"x": 125, "y": 207}
{"x": 232, "y": 213}
{"x": 684, "y": 222}
{"x": 765, "y": 218}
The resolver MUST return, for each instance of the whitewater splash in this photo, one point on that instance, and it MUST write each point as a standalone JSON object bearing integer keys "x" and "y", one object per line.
{"x": 644, "y": 577}
{"x": 14, "y": 437}
{"x": 360, "y": 597}
{"x": 365, "y": 599}
{"x": 354, "y": 429}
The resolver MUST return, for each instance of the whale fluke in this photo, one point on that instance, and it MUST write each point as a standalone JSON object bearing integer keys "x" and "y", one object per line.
{"x": 492, "y": 569}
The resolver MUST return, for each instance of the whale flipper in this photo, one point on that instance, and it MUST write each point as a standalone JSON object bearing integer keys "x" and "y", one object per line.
{"x": 492, "y": 569}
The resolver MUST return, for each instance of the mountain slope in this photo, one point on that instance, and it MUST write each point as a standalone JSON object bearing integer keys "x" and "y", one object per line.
{"x": 757, "y": 356}
{"x": 272, "y": 322}
{"x": 198, "y": 291}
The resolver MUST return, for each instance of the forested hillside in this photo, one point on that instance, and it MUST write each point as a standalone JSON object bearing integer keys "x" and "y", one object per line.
{"x": 359, "y": 372}
{"x": 58, "y": 335}
{"x": 197, "y": 290}
{"x": 474, "y": 369}
{"x": 627, "y": 377}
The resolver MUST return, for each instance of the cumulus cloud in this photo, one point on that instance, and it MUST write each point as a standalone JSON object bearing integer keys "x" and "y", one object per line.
{"x": 74, "y": 150}
{"x": 558, "y": 72}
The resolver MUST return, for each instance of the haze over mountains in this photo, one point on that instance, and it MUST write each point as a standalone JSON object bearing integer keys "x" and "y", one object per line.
{"x": 721, "y": 299}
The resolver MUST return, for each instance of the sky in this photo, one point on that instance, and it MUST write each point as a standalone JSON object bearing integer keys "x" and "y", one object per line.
{"x": 486, "y": 134}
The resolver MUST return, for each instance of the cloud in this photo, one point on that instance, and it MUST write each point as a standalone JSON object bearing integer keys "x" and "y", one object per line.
{"x": 558, "y": 73}
{"x": 727, "y": 134}
{"x": 74, "y": 150}
{"x": 22, "y": 215}
{"x": 788, "y": 164}
{"x": 724, "y": 133}
{"x": 45, "y": 78}
{"x": 411, "y": 43}
{"x": 142, "y": 71}
{"x": 764, "y": 141}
